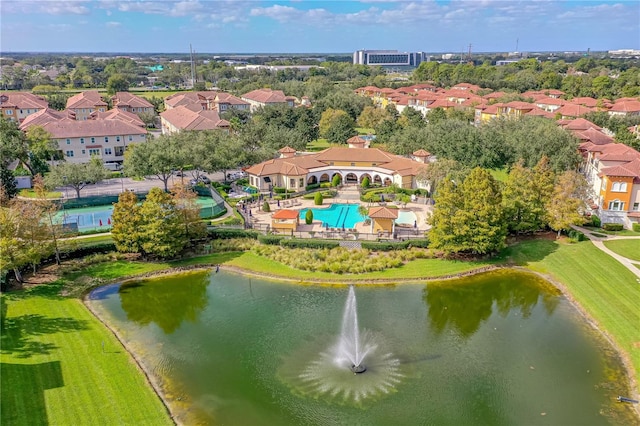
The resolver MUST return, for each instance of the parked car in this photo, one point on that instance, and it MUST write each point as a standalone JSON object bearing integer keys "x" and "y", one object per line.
{"x": 205, "y": 180}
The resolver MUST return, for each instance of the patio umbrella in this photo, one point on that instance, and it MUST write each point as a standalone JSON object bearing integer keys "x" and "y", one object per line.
{"x": 278, "y": 203}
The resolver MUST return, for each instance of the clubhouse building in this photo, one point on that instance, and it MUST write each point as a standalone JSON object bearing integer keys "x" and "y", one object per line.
{"x": 296, "y": 170}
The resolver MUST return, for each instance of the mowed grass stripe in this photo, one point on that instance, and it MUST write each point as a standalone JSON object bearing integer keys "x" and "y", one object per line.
{"x": 63, "y": 375}
{"x": 602, "y": 286}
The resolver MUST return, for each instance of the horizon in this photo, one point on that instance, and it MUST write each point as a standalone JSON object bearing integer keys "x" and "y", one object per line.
{"x": 288, "y": 27}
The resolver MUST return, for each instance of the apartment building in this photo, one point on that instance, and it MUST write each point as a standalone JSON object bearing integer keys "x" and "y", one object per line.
{"x": 85, "y": 103}
{"x": 16, "y": 106}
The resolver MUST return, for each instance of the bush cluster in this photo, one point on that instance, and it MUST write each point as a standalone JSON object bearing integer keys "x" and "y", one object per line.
{"x": 576, "y": 236}
{"x": 224, "y": 234}
{"x": 636, "y": 227}
{"x": 273, "y": 240}
{"x": 612, "y": 227}
{"x": 312, "y": 244}
{"x": 337, "y": 260}
{"x": 595, "y": 221}
{"x": 388, "y": 246}
{"x": 312, "y": 186}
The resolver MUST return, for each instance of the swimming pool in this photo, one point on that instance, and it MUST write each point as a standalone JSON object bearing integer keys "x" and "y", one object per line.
{"x": 336, "y": 216}
{"x": 406, "y": 218}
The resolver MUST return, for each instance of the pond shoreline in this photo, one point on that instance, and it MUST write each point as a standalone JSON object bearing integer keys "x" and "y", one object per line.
{"x": 157, "y": 386}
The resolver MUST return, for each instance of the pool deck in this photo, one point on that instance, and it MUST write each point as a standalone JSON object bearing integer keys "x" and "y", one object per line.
{"x": 347, "y": 195}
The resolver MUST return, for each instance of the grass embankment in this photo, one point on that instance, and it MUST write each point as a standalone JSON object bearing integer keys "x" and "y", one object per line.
{"x": 627, "y": 248}
{"x": 55, "y": 369}
{"x": 604, "y": 288}
{"x": 30, "y": 193}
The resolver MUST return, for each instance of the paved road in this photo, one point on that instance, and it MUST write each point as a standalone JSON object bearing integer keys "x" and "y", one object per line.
{"x": 117, "y": 185}
{"x": 631, "y": 265}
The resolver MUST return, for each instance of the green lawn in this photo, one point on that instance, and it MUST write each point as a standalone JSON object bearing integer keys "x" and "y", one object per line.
{"x": 54, "y": 370}
{"x": 607, "y": 290}
{"x": 30, "y": 193}
{"x": 157, "y": 93}
{"x": 366, "y": 130}
{"x": 318, "y": 145}
{"x": 627, "y": 248}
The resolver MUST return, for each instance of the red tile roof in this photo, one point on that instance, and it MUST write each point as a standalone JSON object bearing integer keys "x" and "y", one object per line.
{"x": 88, "y": 99}
{"x": 126, "y": 99}
{"x": 383, "y": 213}
{"x": 22, "y": 100}
{"x": 266, "y": 96}
{"x": 184, "y": 118}
{"x": 285, "y": 214}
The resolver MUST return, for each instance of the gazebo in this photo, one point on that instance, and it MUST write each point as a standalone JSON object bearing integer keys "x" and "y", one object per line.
{"x": 285, "y": 220}
{"x": 383, "y": 219}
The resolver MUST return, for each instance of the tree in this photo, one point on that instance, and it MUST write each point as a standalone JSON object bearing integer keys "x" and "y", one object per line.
{"x": 519, "y": 200}
{"x": 328, "y": 118}
{"x": 365, "y": 182}
{"x": 7, "y": 182}
{"x": 543, "y": 183}
{"x": 266, "y": 207}
{"x": 436, "y": 172}
{"x": 48, "y": 211}
{"x": 163, "y": 234}
{"x": 150, "y": 118}
{"x": 189, "y": 212}
{"x": 117, "y": 83}
{"x": 126, "y": 227}
{"x": 335, "y": 181}
{"x": 371, "y": 117}
{"x": 411, "y": 117}
{"x": 443, "y": 234}
{"x": 341, "y": 129}
{"x": 77, "y": 175}
{"x": 158, "y": 157}
{"x": 318, "y": 199}
{"x": 308, "y": 217}
{"x": 567, "y": 202}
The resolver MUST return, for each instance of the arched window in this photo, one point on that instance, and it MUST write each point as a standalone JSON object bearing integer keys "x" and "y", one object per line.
{"x": 619, "y": 187}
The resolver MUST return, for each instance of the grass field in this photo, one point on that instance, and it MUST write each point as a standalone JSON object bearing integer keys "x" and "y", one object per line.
{"x": 30, "y": 193}
{"x": 602, "y": 286}
{"x": 627, "y": 248}
{"x": 55, "y": 369}
{"x": 55, "y": 372}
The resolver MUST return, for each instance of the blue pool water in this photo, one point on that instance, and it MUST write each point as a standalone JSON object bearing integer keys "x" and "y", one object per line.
{"x": 336, "y": 216}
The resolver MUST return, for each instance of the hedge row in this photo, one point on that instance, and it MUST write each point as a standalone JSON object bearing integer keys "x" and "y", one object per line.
{"x": 272, "y": 240}
{"x": 576, "y": 235}
{"x": 388, "y": 246}
{"x": 612, "y": 226}
{"x": 636, "y": 227}
{"x": 313, "y": 244}
{"x": 225, "y": 233}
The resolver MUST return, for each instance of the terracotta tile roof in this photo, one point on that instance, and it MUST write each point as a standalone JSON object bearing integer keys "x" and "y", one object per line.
{"x": 594, "y": 136}
{"x": 126, "y": 99}
{"x": 519, "y": 105}
{"x": 42, "y": 117}
{"x": 286, "y": 150}
{"x": 442, "y": 103}
{"x": 631, "y": 169}
{"x": 631, "y": 106}
{"x": 22, "y": 100}
{"x": 118, "y": 114}
{"x": 549, "y": 101}
{"x": 618, "y": 152}
{"x": 356, "y": 140}
{"x": 228, "y": 98}
{"x": 466, "y": 86}
{"x": 266, "y": 96}
{"x": 383, "y": 213}
{"x": 421, "y": 153}
{"x": 539, "y": 112}
{"x": 88, "y": 99}
{"x": 294, "y": 166}
{"x": 184, "y": 118}
{"x": 573, "y": 110}
{"x": 494, "y": 95}
{"x": 585, "y": 101}
{"x": 372, "y": 155}
{"x": 404, "y": 166}
{"x": 285, "y": 214}
{"x": 69, "y": 128}
{"x": 580, "y": 124}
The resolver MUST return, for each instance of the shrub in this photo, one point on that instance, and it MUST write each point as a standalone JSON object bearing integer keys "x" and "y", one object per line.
{"x": 266, "y": 207}
{"x": 325, "y": 185}
{"x": 279, "y": 190}
{"x": 595, "y": 221}
{"x": 317, "y": 199}
{"x": 221, "y": 233}
{"x": 636, "y": 227}
{"x": 336, "y": 180}
{"x": 366, "y": 182}
{"x": 270, "y": 240}
{"x": 308, "y": 217}
{"x": 613, "y": 226}
{"x": 312, "y": 186}
{"x": 311, "y": 244}
{"x": 576, "y": 236}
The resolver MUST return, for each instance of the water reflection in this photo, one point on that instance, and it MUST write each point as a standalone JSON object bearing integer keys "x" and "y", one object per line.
{"x": 166, "y": 301}
{"x": 464, "y": 307}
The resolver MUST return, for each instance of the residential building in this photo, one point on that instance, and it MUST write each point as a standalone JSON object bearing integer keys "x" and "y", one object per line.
{"x": 613, "y": 171}
{"x": 295, "y": 172}
{"x": 191, "y": 117}
{"x": 129, "y": 102}
{"x": 80, "y": 140}
{"x": 16, "y": 106}
{"x": 263, "y": 97}
{"x": 83, "y": 104}
{"x": 208, "y": 100}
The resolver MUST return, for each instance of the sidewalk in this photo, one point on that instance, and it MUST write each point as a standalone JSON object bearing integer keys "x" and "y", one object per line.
{"x": 632, "y": 265}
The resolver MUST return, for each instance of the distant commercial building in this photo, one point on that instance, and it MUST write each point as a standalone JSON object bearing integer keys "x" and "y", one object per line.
{"x": 389, "y": 58}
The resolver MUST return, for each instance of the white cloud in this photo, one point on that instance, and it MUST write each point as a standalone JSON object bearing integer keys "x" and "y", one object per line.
{"x": 49, "y": 7}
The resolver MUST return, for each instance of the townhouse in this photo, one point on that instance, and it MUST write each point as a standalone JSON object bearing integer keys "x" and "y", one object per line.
{"x": 208, "y": 100}
{"x": 85, "y": 103}
{"x": 103, "y": 135}
{"x": 129, "y": 102}
{"x": 16, "y": 106}
{"x": 263, "y": 97}
{"x": 191, "y": 117}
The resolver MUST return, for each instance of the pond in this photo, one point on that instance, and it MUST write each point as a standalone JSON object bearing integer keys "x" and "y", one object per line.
{"x": 497, "y": 348}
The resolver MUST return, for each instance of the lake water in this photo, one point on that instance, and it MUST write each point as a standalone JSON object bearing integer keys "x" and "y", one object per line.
{"x": 502, "y": 348}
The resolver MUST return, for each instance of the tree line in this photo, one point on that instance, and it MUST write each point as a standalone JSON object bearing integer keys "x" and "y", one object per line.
{"x": 474, "y": 213}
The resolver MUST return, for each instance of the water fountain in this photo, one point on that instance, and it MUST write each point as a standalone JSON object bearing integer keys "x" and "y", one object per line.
{"x": 351, "y": 350}
{"x": 335, "y": 370}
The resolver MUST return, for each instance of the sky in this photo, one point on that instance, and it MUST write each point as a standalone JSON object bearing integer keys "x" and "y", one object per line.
{"x": 331, "y": 26}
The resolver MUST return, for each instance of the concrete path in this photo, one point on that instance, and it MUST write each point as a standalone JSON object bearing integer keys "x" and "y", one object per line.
{"x": 632, "y": 265}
